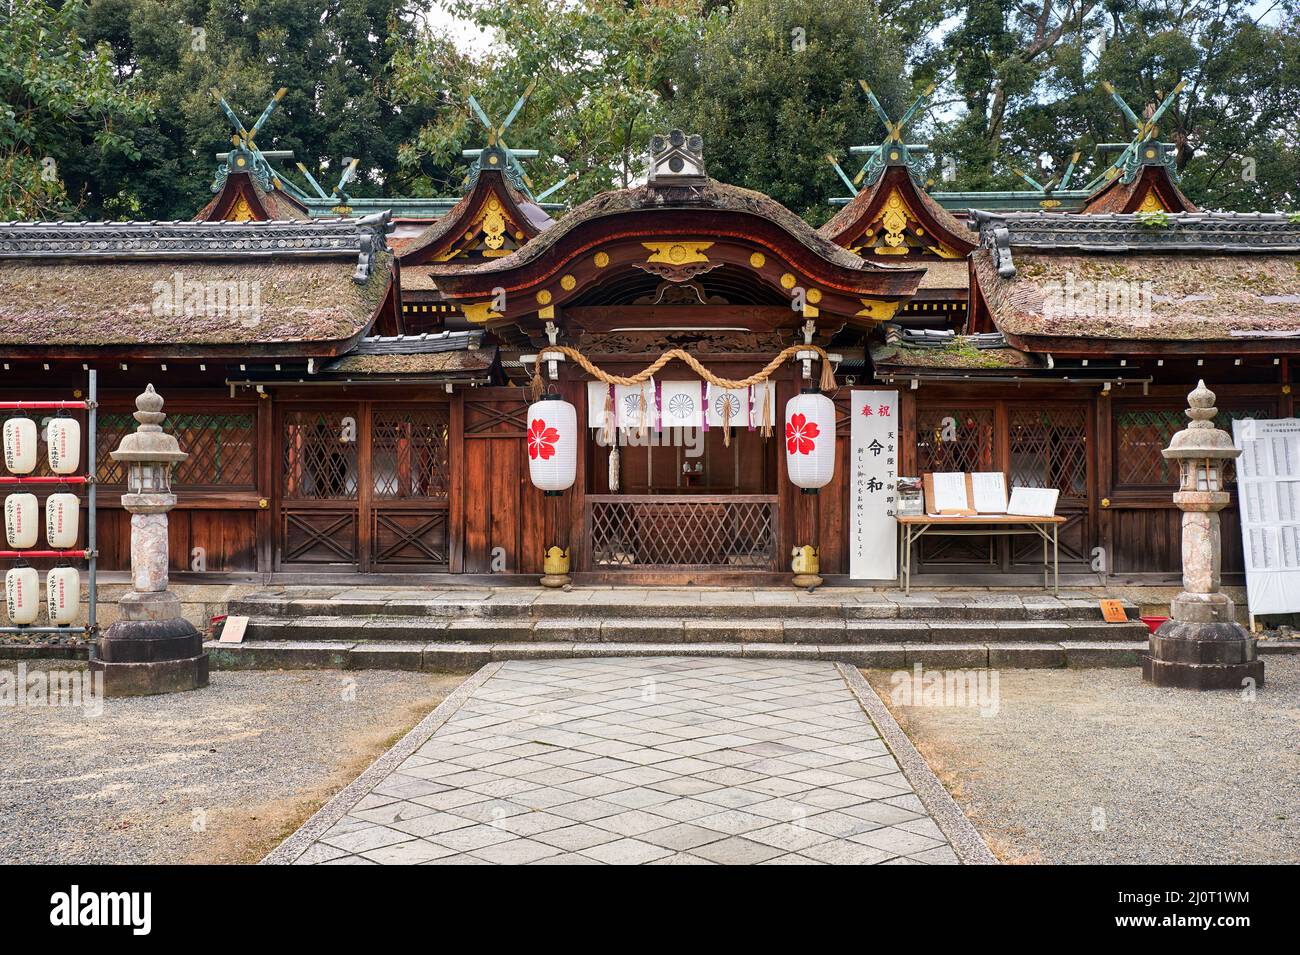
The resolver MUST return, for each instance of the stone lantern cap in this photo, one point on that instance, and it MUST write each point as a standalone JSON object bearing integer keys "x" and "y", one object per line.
{"x": 149, "y": 443}
{"x": 1201, "y": 439}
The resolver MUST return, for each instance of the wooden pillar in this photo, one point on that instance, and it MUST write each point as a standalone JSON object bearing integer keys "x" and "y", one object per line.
{"x": 456, "y": 484}
{"x": 269, "y": 482}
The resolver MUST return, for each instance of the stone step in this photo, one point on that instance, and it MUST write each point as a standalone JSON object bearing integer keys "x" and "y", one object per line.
{"x": 528, "y": 604}
{"x": 677, "y": 630}
{"x": 463, "y": 657}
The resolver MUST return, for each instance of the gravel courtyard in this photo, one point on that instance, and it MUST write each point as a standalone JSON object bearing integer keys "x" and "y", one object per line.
{"x": 217, "y": 775}
{"x": 1093, "y": 766}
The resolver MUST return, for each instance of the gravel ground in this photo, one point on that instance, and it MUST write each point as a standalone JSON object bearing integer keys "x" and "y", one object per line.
{"x": 216, "y": 775}
{"x": 1094, "y": 766}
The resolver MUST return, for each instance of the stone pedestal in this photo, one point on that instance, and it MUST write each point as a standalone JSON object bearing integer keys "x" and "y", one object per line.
{"x": 152, "y": 648}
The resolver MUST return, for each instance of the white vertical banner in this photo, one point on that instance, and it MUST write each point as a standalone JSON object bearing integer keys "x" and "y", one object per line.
{"x": 1268, "y": 492}
{"x": 873, "y": 478}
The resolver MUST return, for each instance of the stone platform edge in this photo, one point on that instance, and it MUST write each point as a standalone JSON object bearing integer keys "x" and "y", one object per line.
{"x": 948, "y": 816}
{"x": 337, "y": 807}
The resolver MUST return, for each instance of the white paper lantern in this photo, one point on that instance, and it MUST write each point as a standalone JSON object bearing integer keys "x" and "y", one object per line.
{"x": 552, "y": 444}
{"x": 21, "y": 524}
{"x": 62, "y": 513}
{"x": 22, "y": 594}
{"x": 63, "y": 595}
{"x": 63, "y": 445}
{"x": 810, "y": 440}
{"x": 20, "y": 445}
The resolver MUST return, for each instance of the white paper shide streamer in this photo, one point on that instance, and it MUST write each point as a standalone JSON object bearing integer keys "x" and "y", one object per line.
{"x": 22, "y": 595}
{"x": 63, "y": 445}
{"x": 20, "y": 445}
{"x": 21, "y": 524}
{"x": 62, "y": 595}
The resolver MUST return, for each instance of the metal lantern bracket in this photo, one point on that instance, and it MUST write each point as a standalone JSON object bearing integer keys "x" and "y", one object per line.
{"x": 89, "y": 554}
{"x": 552, "y": 359}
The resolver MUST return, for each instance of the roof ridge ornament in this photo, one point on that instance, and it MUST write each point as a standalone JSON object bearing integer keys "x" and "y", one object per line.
{"x": 676, "y": 167}
{"x": 244, "y": 154}
{"x": 498, "y": 154}
{"x": 1144, "y": 149}
{"x": 894, "y": 151}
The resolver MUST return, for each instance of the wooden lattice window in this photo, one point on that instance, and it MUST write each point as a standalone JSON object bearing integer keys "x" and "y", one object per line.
{"x": 1049, "y": 448}
{"x": 220, "y": 447}
{"x": 1140, "y": 436}
{"x": 320, "y": 455}
{"x": 954, "y": 439}
{"x": 408, "y": 453}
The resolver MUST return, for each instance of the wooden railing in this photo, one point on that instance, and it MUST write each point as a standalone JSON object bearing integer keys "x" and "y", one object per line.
{"x": 681, "y": 531}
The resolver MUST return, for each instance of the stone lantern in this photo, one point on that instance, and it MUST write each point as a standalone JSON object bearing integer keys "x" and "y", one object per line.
{"x": 1201, "y": 646}
{"x": 152, "y": 648}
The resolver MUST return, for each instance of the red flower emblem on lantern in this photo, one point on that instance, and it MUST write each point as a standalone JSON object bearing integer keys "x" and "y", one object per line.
{"x": 799, "y": 434}
{"x": 541, "y": 440}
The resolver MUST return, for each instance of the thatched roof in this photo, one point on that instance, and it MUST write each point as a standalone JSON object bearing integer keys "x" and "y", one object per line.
{"x": 713, "y": 195}
{"x": 92, "y": 302}
{"x": 959, "y": 355}
{"x": 475, "y": 360}
{"x": 158, "y": 285}
{"x": 1196, "y": 296}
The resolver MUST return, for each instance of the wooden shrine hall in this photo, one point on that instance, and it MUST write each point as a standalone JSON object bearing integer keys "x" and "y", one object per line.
{"x": 355, "y": 394}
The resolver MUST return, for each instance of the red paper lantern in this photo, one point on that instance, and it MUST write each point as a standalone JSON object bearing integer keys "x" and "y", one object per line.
{"x": 810, "y": 440}
{"x": 552, "y": 443}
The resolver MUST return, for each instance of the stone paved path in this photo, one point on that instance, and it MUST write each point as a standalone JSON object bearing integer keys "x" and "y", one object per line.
{"x": 636, "y": 760}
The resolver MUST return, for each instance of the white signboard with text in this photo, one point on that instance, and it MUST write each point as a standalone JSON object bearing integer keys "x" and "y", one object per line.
{"x": 1268, "y": 491}
{"x": 873, "y": 474}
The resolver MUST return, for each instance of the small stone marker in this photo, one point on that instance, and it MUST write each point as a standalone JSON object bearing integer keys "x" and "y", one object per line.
{"x": 232, "y": 631}
{"x": 1112, "y": 611}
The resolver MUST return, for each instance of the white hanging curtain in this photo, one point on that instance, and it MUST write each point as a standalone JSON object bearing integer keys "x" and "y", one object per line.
{"x": 681, "y": 404}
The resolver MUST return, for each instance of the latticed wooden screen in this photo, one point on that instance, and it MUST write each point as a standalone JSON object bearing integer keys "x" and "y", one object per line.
{"x": 655, "y": 532}
{"x": 408, "y": 453}
{"x": 320, "y": 455}
{"x": 1049, "y": 448}
{"x": 954, "y": 439}
{"x": 1140, "y": 436}
{"x": 220, "y": 447}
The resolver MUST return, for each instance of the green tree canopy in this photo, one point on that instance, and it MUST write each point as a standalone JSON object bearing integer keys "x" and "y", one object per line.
{"x": 773, "y": 88}
{"x": 61, "y": 102}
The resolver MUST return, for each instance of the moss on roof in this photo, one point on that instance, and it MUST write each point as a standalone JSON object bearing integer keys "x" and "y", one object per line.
{"x": 224, "y": 301}
{"x": 470, "y": 360}
{"x": 958, "y": 354}
{"x": 1190, "y": 297}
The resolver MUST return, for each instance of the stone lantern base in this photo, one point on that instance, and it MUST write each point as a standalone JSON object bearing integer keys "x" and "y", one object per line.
{"x": 152, "y": 650}
{"x": 1218, "y": 655}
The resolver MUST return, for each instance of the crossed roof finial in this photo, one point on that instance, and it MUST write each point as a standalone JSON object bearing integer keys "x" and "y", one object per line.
{"x": 893, "y": 151}
{"x": 1144, "y": 149}
{"x": 244, "y": 154}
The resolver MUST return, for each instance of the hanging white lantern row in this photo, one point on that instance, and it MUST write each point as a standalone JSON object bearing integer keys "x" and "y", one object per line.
{"x": 62, "y": 514}
{"x": 20, "y": 445}
{"x": 63, "y": 445}
{"x": 552, "y": 443}
{"x": 21, "y": 524}
{"x": 810, "y": 440}
{"x": 22, "y": 595}
{"x": 63, "y": 595}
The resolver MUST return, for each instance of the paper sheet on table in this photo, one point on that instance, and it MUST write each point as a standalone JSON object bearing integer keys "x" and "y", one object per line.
{"x": 949, "y": 492}
{"x": 1033, "y": 501}
{"x": 989, "y": 492}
